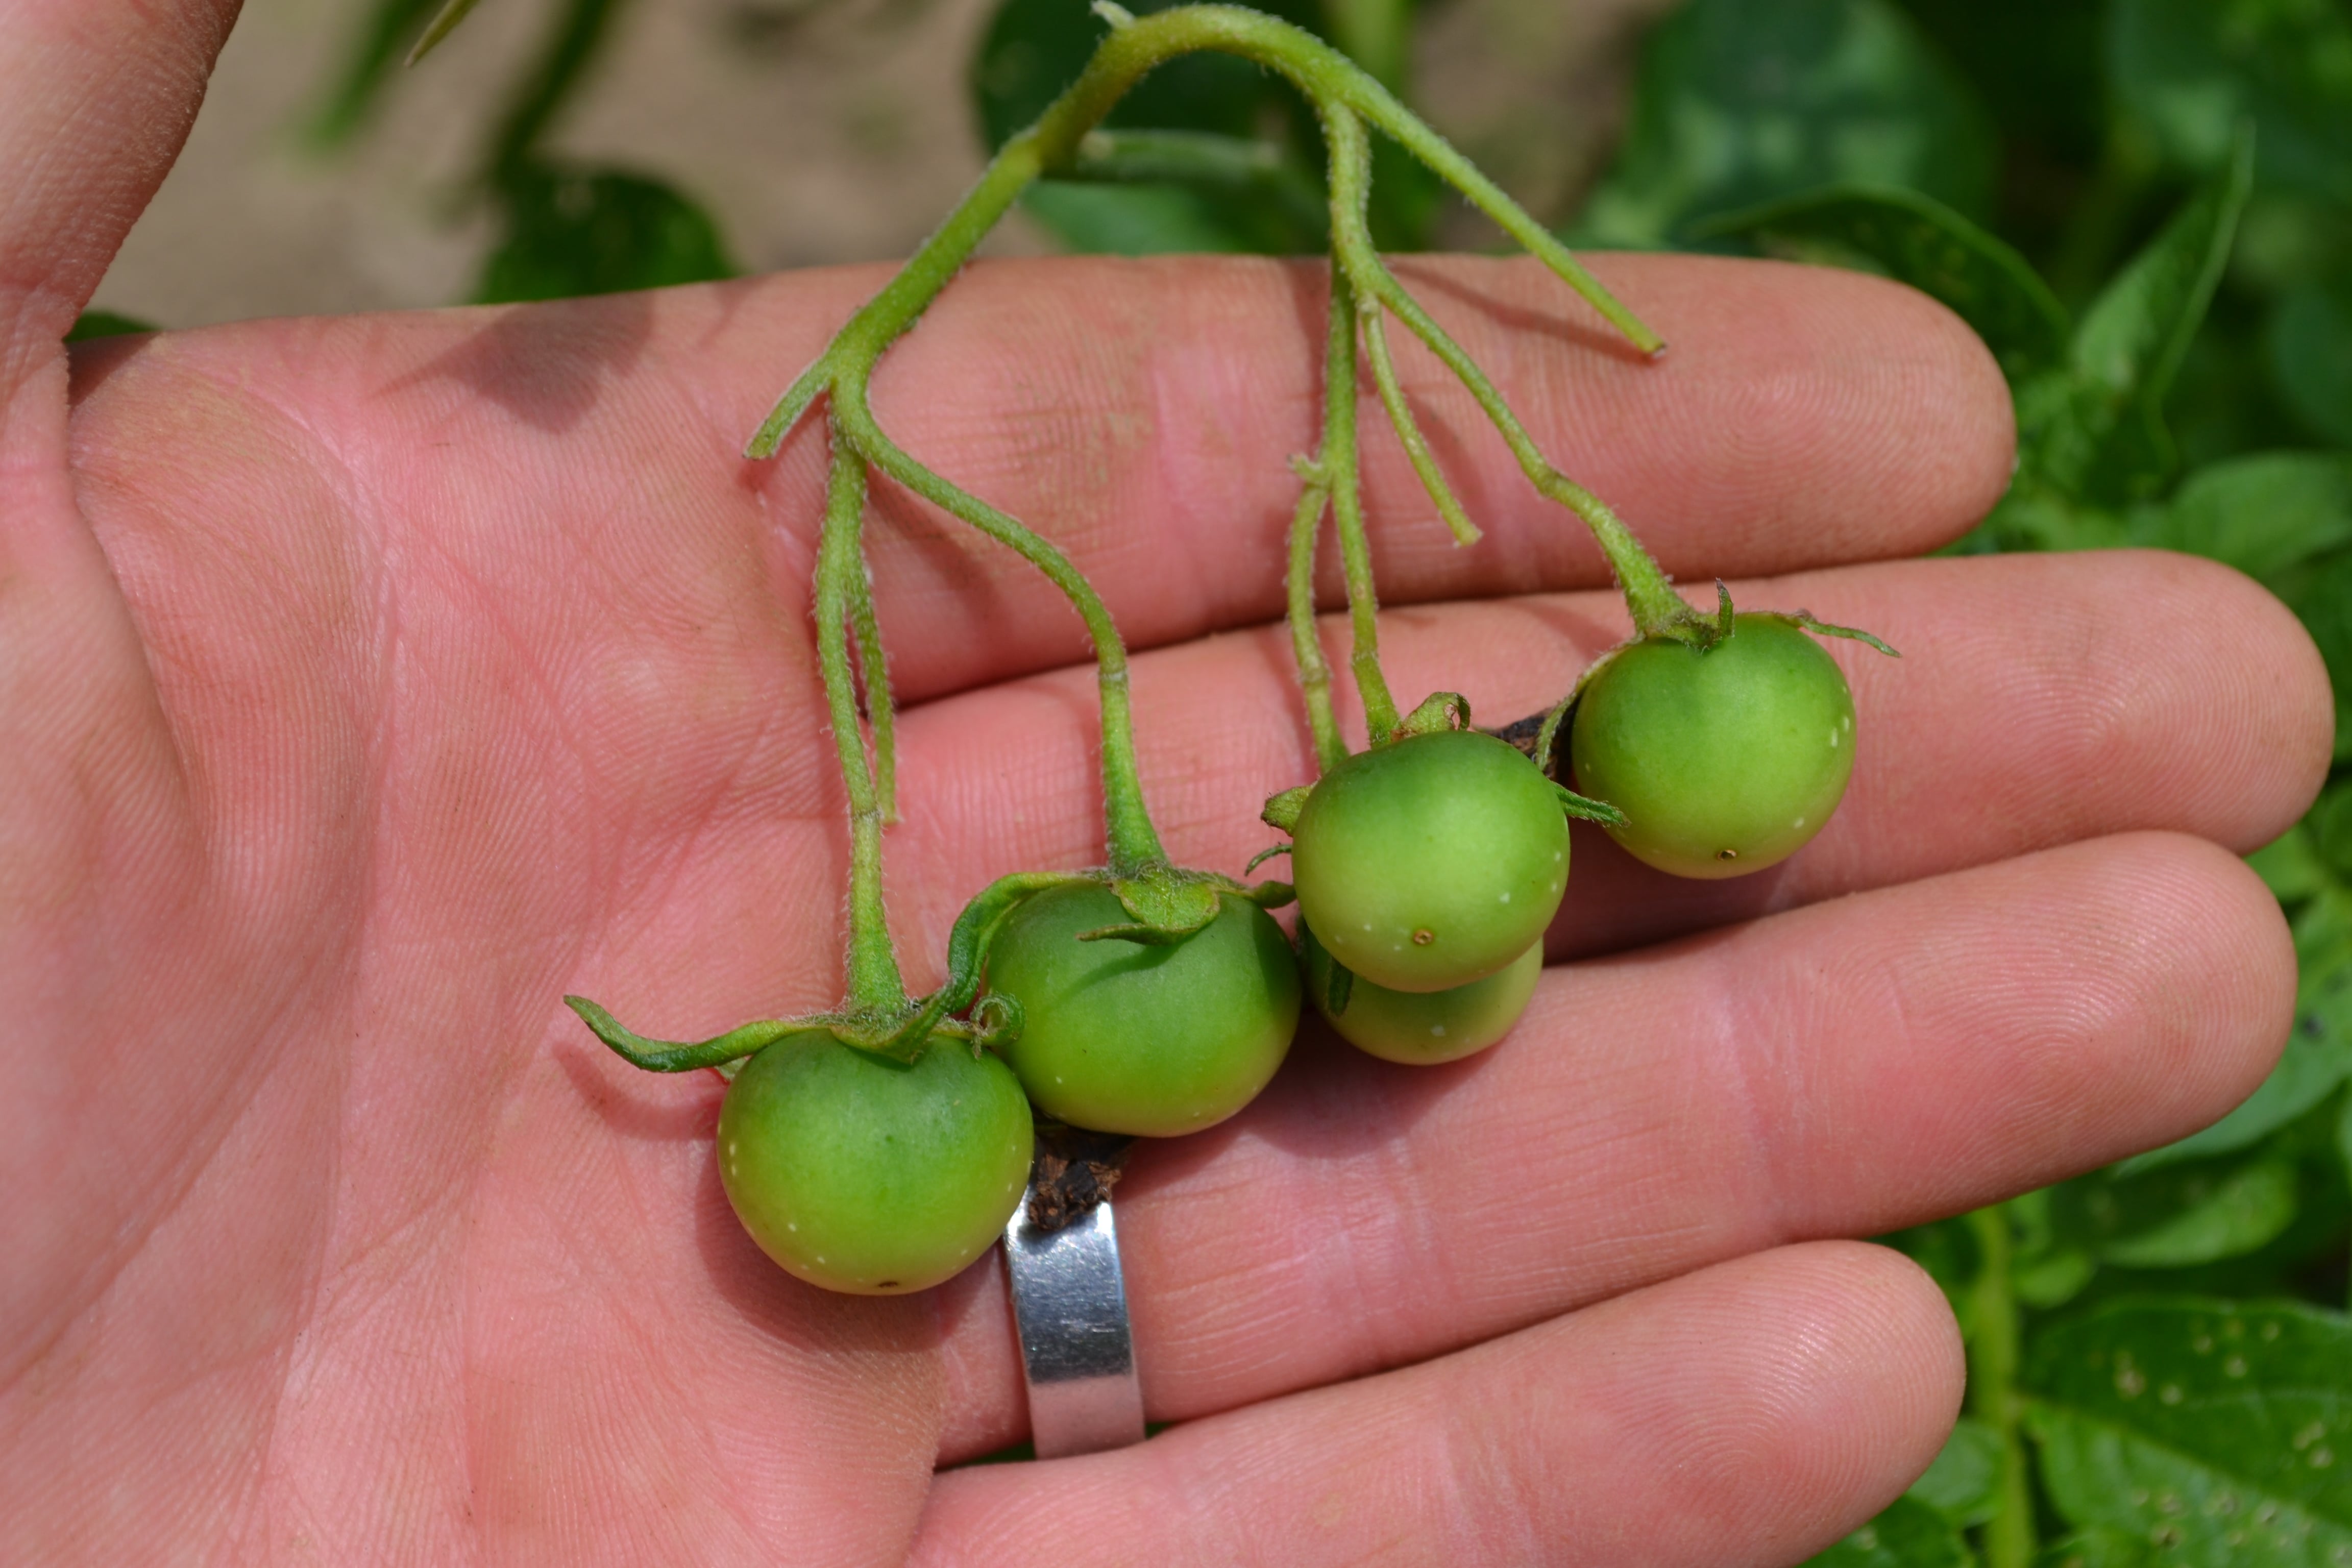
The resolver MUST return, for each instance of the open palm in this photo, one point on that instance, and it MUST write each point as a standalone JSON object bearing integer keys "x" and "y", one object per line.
{"x": 366, "y": 685}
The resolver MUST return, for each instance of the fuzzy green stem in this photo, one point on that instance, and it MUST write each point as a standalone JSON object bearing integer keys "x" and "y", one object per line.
{"x": 1134, "y": 844}
{"x": 1338, "y": 467}
{"x": 874, "y": 985}
{"x": 2010, "y": 1539}
{"x": 1656, "y": 609}
{"x": 1339, "y": 90}
{"x": 874, "y": 674}
{"x": 1306, "y": 645}
{"x": 1408, "y": 429}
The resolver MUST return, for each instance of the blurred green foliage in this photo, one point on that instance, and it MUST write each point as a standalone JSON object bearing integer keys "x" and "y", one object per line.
{"x": 563, "y": 228}
{"x": 2162, "y": 262}
{"x": 2144, "y": 208}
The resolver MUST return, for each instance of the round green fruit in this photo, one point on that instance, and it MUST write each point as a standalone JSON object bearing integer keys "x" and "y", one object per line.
{"x": 859, "y": 1174}
{"x": 1420, "y": 1027}
{"x": 1725, "y": 760}
{"x": 1432, "y": 861}
{"x": 1156, "y": 1040}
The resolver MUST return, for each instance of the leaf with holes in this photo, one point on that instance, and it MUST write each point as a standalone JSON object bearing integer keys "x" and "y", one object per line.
{"x": 2210, "y": 1430}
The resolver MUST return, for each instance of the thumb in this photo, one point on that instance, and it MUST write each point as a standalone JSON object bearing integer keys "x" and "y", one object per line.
{"x": 96, "y": 97}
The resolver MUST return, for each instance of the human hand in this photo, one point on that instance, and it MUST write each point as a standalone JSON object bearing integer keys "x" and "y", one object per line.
{"x": 371, "y": 683}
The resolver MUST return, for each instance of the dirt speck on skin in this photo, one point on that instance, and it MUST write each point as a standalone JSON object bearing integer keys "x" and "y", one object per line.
{"x": 1074, "y": 1170}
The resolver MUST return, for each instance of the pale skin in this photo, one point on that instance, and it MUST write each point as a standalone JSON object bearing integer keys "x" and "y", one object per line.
{"x": 366, "y": 685}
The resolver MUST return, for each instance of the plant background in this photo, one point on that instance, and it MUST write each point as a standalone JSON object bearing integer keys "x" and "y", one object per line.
{"x": 2145, "y": 207}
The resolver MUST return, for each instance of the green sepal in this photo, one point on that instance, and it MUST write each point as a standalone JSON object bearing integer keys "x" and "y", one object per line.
{"x": 996, "y": 1022}
{"x": 1439, "y": 712}
{"x": 1263, "y": 855}
{"x": 675, "y": 1056}
{"x": 1587, "y": 808}
{"x": 1803, "y": 621}
{"x": 1268, "y": 894}
{"x": 1170, "y": 902}
{"x": 968, "y": 955}
{"x": 1339, "y": 980}
{"x": 1282, "y": 810}
{"x": 1174, "y": 903}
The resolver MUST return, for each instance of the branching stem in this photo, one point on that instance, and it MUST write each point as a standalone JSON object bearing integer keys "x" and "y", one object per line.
{"x": 1348, "y": 99}
{"x": 874, "y": 985}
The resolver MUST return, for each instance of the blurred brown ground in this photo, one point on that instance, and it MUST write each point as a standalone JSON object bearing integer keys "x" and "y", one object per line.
{"x": 817, "y": 131}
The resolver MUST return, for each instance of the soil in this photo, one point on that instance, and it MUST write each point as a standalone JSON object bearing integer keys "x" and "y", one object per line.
{"x": 819, "y": 132}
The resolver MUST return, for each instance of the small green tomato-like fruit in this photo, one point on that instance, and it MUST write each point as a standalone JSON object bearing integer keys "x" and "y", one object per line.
{"x": 1431, "y": 861}
{"x": 1123, "y": 1037}
{"x": 865, "y": 1177}
{"x": 1724, "y": 760}
{"x": 1421, "y": 1028}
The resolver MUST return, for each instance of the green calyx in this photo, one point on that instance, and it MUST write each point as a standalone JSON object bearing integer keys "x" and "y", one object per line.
{"x": 899, "y": 1038}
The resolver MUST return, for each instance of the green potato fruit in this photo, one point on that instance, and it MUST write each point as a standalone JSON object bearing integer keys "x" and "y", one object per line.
{"x": 866, "y": 1176}
{"x": 1432, "y": 861}
{"x": 1421, "y": 1028}
{"x": 1725, "y": 760}
{"x": 1154, "y": 1040}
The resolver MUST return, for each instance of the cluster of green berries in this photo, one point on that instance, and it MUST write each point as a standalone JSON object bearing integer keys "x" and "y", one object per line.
{"x": 882, "y": 1147}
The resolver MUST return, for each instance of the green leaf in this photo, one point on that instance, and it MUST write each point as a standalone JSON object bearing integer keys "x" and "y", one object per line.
{"x": 2310, "y": 356}
{"x": 1918, "y": 240}
{"x": 382, "y": 41}
{"x": 2261, "y": 514}
{"x": 570, "y": 232}
{"x": 577, "y": 36}
{"x": 2188, "y": 70}
{"x": 2209, "y": 1430}
{"x": 1740, "y": 103}
{"x": 2320, "y": 592}
{"x": 2038, "y": 66}
{"x": 2055, "y": 1278}
{"x": 1133, "y": 220}
{"x": 2154, "y": 1213}
{"x": 442, "y": 23}
{"x": 2290, "y": 865}
{"x": 1963, "y": 1482}
{"x": 1909, "y": 1534}
{"x": 106, "y": 324}
{"x": 2250, "y": 1208}
{"x": 2096, "y": 1547}
{"x": 2032, "y": 516}
{"x": 2099, "y": 436}
{"x": 2317, "y": 1057}
{"x": 2329, "y": 823}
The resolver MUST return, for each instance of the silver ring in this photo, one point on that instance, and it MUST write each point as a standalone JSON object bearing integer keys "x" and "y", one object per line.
{"x": 1069, "y": 1303}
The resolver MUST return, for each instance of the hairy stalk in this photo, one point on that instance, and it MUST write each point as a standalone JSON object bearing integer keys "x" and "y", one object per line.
{"x": 1656, "y": 607}
{"x": 874, "y": 985}
{"x": 2010, "y": 1539}
{"x": 1306, "y": 646}
{"x": 1408, "y": 429}
{"x": 1341, "y": 91}
{"x": 1134, "y": 844}
{"x": 1339, "y": 473}
{"x": 873, "y": 675}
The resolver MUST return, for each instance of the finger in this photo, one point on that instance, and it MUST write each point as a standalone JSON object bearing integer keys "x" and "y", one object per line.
{"x": 1140, "y": 414}
{"x": 2039, "y": 700}
{"x": 96, "y": 97}
{"x": 1751, "y": 1414}
{"x": 1143, "y": 418}
{"x": 1845, "y": 1070}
